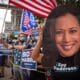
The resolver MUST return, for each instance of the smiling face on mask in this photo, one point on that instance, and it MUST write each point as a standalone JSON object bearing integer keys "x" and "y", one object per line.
{"x": 67, "y": 35}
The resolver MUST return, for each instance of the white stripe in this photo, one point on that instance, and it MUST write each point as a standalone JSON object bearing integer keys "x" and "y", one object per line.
{"x": 38, "y": 6}
{"x": 49, "y": 2}
{"x": 30, "y": 8}
{"x": 54, "y": 1}
{"x": 43, "y": 3}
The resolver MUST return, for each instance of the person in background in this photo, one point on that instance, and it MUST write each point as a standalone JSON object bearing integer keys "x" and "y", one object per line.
{"x": 40, "y": 73}
{"x": 61, "y": 44}
{"x": 2, "y": 59}
{"x": 21, "y": 44}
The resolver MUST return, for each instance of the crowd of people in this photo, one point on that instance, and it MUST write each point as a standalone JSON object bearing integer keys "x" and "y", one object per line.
{"x": 22, "y": 42}
{"x": 57, "y": 50}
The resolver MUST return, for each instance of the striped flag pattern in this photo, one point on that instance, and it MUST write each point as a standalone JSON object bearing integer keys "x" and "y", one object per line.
{"x": 27, "y": 32}
{"x": 40, "y": 8}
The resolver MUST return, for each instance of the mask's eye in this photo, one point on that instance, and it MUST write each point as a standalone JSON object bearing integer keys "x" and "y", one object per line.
{"x": 73, "y": 31}
{"x": 59, "y": 32}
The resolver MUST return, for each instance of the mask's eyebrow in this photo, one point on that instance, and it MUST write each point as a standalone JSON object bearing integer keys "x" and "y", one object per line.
{"x": 74, "y": 28}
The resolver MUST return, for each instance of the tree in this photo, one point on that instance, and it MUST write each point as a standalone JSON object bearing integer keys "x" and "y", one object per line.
{"x": 72, "y": 2}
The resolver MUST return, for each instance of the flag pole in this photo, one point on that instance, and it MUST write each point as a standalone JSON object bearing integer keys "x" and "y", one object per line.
{"x": 4, "y": 18}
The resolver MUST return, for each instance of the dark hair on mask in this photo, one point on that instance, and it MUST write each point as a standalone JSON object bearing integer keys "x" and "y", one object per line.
{"x": 50, "y": 50}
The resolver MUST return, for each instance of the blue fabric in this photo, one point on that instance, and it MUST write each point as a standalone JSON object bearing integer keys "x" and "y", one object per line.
{"x": 28, "y": 21}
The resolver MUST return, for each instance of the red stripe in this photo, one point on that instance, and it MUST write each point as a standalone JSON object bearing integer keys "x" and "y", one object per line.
{"x": 43, "y": 4}
{"x": 27, "y": 7}
{"x": 29, "y": 32}
{"x": 54, "y": 2}
{"x": 48, "y": 2}
{"x": 37, "y": 6}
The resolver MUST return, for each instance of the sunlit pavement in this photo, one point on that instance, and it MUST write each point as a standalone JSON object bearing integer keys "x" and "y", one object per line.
{"x": 7, "y": 74}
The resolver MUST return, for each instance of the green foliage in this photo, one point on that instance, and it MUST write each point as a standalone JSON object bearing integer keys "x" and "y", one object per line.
{"x": 72, "y": 2}
{"x": 60, "y": 2}
{"x": 40, "y": 19}
{"x": 14, "y": 35}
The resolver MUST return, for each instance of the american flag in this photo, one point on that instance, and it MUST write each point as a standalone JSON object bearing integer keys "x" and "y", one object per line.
{"x": 40, "y": 8}
{"x": 27, "y": 32}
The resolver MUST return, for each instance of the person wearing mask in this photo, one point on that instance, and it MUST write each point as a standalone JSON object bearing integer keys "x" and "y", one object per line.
{"x": 61, "y": 44}
{"x": 21, "y": 44}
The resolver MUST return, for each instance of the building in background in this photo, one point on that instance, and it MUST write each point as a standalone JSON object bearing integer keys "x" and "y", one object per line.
{"x": 8, "y": 28}
{"x": 16, "y": 18}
